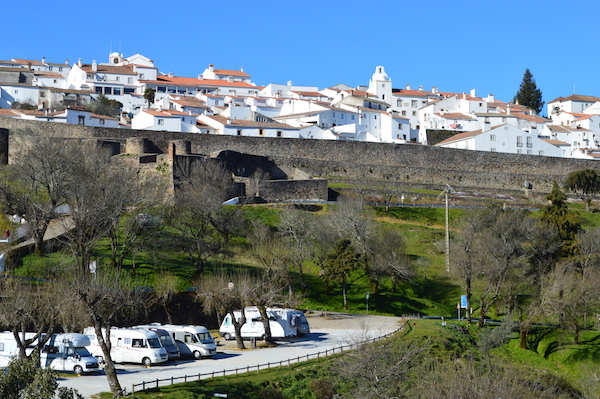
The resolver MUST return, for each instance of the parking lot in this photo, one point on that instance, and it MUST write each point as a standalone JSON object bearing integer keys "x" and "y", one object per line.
{"x": 328, "y": 331}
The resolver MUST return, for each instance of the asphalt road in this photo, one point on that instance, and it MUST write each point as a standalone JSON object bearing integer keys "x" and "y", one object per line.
{"x": 328, "y": 331}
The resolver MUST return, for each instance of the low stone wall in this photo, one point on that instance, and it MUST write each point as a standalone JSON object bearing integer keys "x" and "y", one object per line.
{"x": 288, "y": 190}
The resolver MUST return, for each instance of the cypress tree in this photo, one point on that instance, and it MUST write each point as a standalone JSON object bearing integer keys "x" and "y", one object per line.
{"x": 529, "y": 95}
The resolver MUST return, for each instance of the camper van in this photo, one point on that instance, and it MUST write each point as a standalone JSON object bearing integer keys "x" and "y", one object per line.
{"x": 284, "y": 323}
{"x": 193, "y": 341}
{"x": 165, "y": 339}
{"x": 129, "y": 346}
{"x": 62, "y": 352}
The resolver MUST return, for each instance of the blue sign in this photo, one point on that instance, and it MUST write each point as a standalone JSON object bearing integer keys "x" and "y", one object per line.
{"x": 463, "y": 301}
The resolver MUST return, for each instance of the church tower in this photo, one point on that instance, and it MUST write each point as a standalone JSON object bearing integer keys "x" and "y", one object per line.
{"x": 381, "y": 85}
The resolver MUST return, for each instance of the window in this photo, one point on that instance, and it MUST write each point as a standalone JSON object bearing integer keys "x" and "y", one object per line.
{"x": 492, "y": 149}
{"x": 16, "y": 91}
{"x": 413, "y": 103}
{"x": 398, "y": 103}
{"x": 414, "y": 113}
{"x": 141, "y": 76}
{"x": 128, "y": 91}
{"x": 403, "y": 113}
{"x": 375, "y": 116}
{"x": 529, "y": 142}
{"x": 216, "y": 102}
{"x": 161, "y": 121}
{"x": 352, "y": 116}
{"x": 117, "y": 91}
{"x": 60, "y": 69}
{"x": 1, "y": 346}
{"x": 334, "y": 114}
{"x": 279, "y": 133}
{"x": 261, "y": 132}
{"x": 108, "y": 90}
{"x": 342, "y": 116}
{"x": 239, "y": 132}
{"x": 492, "y": 137}
{"x": 81, "y": 120}
{"x": 503, "y": 119}
{"x": 541, "y": 153}
{"x": 519, "y": 141}
{"x": 98, "y": 89}
{"x": 519, "y": 151}
{"x": 528, "y": 152}
{"x": 399, "y": 126}
{"x": 118, "y": 78}
{"x": 101, "y": 121}
{"x": 129, "y": 80}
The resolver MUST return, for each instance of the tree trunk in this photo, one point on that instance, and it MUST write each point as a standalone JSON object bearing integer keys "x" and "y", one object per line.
{"x": 266, "y": 324}
{"x": 345, "y": 287}
{"x": 109, "y": 365}
{"x": 237, "y": 325}
{"x": 523, "y": 334}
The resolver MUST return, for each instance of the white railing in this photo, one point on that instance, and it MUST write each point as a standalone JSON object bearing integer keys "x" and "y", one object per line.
{"x": 142, "y": 386}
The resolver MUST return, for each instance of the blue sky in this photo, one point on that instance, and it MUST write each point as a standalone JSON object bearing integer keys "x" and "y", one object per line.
{"x": 453, "y": 45}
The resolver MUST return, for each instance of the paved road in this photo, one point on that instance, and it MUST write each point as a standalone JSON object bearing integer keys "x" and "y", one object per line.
{"x": 327, "y": 332}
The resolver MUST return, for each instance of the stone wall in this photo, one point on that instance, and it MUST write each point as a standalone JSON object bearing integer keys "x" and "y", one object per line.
{"x": 358, "y": 160}
{"x": 288, "y": 190}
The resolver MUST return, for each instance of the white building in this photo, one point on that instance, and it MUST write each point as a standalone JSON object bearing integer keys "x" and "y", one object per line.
{"x": 505, "y": 138}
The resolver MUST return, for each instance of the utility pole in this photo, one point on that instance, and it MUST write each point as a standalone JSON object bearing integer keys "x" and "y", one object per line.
{"x": 447, "y": 190}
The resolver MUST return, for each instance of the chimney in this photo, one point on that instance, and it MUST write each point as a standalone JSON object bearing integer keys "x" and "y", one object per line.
{"x": 289, "y": 83}
{"x": 473, "y": 93}
{"x": 464, "y": 96}
{"x": 43, "y": 60}
{"x": 211, "y": 67}
{"x": 200, "y": 77}
{"x": 170, "y": 74}
{"x": 408, "y": 86}
{"x": 230, "y": 78}
{"x": 420, "y": 88}
{"x": 242, "y": 69}
{"x": 508, "y": 109}
{"x": 434, "y": 89}
{"x": 67, "y": 61}
{"x": 491, "y": 98}
{"x": 79, "y": 62}
{"x": 94, "y": 66}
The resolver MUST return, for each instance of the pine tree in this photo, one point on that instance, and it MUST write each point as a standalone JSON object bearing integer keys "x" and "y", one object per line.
{"x": 529, "y": 95}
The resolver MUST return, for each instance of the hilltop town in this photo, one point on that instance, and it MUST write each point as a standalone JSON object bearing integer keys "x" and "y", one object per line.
{"x": 227, "y": 102}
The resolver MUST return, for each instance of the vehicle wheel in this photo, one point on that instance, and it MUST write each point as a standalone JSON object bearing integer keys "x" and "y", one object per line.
{"x": 100, "y": 359}
{"x": 227, "y": 337}
{"x": 78, "y": 369}
{"x": 263, "y": 337}
{"x": 146, "y": 361}
{"x": 197, "y": 355}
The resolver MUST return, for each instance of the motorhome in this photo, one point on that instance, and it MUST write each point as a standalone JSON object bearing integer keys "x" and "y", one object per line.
{"x": 165, "y": 339}
{"x": 62, "y": 352}
{"x": 284, "y": 323}
{"x": 129, "y": 346}
{"x": 193, "y": 341}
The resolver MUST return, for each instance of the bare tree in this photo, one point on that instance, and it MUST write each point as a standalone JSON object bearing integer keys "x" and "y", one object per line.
{"x": 387, "y": 257}
{"x": 35, "y": 183}
{"x": 166, "y": 285}
{"x": 298, "y": 230}
{"x": 26, "y": 307}
{"x": 205, "y": 226}
{"x": 107, "y": 296}
{"x": 223, "y": 294}
{"x": 99, "y": 194}
{"x": 266, "y": 290}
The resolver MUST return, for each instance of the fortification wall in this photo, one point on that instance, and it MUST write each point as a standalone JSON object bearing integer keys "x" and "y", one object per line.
{"x": 358, "y": 160}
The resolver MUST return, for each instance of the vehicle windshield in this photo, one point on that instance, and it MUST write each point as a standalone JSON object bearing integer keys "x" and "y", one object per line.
{"x": 82, "y": 351}
{"x": 205, "y": 338}
{"x": 167, "y": 340}
{"x": 154, "y": 343}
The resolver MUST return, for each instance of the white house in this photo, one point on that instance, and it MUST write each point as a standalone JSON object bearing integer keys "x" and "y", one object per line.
{"x": 250, "y": 128}
{"x": 575, "y": 103}
{"x": 225, "y": 74}
{"x": 165, "y": 120}
{"x": 504, "y": 138}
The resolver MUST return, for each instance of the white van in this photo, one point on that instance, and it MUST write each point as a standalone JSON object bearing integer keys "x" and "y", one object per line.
{"x": 284, "y": 323}
{"x": 165, "y": 339}
{"x": 62, "y": 352}
{"x": 193, "y": 341}
{"x": 129, "y": 346}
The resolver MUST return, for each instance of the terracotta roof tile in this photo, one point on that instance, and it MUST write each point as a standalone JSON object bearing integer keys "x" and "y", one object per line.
{"x": 229, "y": 72}
{"x": 461, "y": 136}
